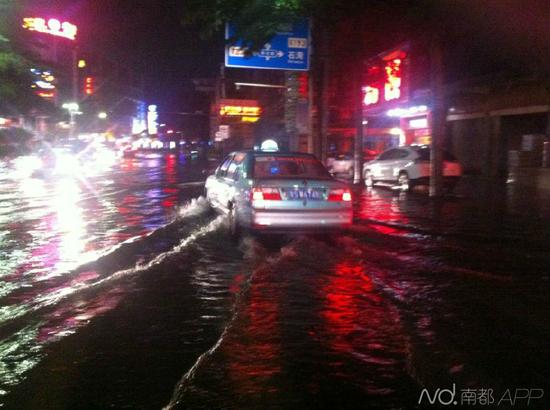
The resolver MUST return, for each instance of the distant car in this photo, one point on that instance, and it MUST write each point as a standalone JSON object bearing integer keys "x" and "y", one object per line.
{"x": 342, "y": 165}
{"x": 278, "y": 192}
{"x": 408, "y": 166}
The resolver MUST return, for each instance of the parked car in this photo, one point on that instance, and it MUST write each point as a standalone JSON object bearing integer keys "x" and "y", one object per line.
{"x": 278, "y": 192}
{"x": 408, "y": 166}
{"x": 342, "y": 165}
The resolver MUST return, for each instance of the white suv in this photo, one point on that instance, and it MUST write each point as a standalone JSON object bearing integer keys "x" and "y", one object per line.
{"x": 409, "y": 166}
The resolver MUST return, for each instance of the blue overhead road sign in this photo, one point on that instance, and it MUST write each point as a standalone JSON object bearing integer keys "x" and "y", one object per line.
{"x": 287, "y": 50}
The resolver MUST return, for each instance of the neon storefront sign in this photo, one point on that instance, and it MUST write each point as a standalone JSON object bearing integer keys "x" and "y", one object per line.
{"x": 236, "y": 110}
{"x": 51, "y": 26}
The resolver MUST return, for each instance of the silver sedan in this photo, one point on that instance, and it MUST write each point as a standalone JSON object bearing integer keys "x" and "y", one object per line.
{"x": 278, "y": 192}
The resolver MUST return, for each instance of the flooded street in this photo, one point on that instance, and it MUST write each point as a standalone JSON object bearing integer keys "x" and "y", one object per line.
{"x": 122, "y": 289}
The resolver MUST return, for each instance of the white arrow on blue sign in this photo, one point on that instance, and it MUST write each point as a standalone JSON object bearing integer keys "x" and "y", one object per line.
{"x": 287, "y": 50}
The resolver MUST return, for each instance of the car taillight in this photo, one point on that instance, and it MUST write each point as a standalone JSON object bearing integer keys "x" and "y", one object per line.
{"x": 265, "y": 194}
{"x": 339, "y": 195}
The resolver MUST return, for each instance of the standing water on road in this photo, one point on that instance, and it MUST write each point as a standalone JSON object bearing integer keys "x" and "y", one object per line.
{"x": 65, "y": 234}
{"x": 122, "y": 290}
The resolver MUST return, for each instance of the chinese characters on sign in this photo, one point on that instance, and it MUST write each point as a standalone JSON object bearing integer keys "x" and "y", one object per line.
{"x": 234, "y": 110}
{"x": 88, "y": 85}
{"x": 52, "y": 26}
{"x": 287, "y": 50}
{"x": 387, "y": 79}
{"x": 152, "y": 120}
{"x": 392, "y": 84}
{"x": 372, "y": 95}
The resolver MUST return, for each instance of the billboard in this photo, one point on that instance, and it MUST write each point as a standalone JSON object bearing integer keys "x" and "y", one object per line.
{"x": 288, "y": 50}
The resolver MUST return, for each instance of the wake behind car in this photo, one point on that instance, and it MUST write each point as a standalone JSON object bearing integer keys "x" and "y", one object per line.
{"x": 278, "y": 192}
{"x": 405, "y": 167}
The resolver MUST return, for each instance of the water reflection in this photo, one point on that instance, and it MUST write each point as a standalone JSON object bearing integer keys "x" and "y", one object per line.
{"x": 480, "y": 209}
{"x": 311, "y": 330}
{"x": 53, "y": 220}
{"x": 70, "y": 224}
{"x": 382, "y": 205}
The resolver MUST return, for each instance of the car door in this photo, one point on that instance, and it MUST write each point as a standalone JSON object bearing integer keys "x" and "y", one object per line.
{"x": 380, "y": 168}
{"x": 216, "y": 184}
{"x": 229, "y": 189}
{"x": 398, "y": 160}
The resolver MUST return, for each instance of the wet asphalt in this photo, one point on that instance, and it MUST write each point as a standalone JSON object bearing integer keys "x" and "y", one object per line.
{"x": 120, "y": 288}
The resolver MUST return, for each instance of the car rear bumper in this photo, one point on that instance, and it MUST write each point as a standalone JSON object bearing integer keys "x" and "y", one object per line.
{"x": 310, "y": 220}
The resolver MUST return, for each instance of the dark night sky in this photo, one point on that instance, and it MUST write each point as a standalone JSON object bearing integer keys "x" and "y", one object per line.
{"x": 148, "y": 36}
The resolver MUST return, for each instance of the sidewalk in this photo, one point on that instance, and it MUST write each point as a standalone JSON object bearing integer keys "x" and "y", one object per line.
{"x": 520, "y": 195}
{"x": 480, "y": 209}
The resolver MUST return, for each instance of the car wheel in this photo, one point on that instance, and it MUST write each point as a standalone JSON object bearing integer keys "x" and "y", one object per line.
{"x": 403, "y": 182}
{"x": 369, "y": 182}
{"x": 234, "y": 228}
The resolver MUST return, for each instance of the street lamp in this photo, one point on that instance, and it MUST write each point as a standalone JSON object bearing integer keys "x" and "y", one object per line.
{"x": 102, "y": 115}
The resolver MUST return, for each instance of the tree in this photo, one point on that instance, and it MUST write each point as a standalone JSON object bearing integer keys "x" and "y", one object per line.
{"x": 16, "y": 96}
{"x": 257, "y": 21}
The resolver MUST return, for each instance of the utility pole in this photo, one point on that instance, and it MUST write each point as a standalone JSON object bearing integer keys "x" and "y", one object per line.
{"x": 324, "y": 111}
{"x": 74, "y": 71}
{"x": 358, "y": 146}
{"x": 311, "y": 101}
{"x": 222, "y": 80}
{"x": 439, "y": 113}
{"x": 291, "y": 101}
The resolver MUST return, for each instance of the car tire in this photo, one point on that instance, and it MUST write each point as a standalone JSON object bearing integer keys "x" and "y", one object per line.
{"x": 369, "y": 182}
{"x": 403, "y": 182}
{"x": 234, "y": 227}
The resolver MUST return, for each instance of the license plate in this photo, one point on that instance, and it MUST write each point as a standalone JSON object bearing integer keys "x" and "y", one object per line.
{"x": 310, "y": 194}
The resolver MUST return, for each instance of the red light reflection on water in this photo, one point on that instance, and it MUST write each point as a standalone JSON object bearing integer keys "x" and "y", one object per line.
{"x": 254, "y": 354}
{"x": 343, "y": 310}
{"x": 170, "y": 170}
{"x": 383, "y": 205}
{"x": 386, "y": 230}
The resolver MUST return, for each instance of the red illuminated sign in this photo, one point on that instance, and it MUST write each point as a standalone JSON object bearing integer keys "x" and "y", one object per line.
{"x": 52, "y": 26}
{"x": 45, "y": 94}
{"x": 392, "y": 85}
{"x": 372, "y": 95}
{"x": 303, "y": 89}
{"x": 88, "y": 86}
{"x": 386, "y": 78}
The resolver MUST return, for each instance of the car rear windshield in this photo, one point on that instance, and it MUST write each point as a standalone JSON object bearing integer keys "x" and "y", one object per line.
{"x": 289, "y": 167}
{"x": 424, "y": 154}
